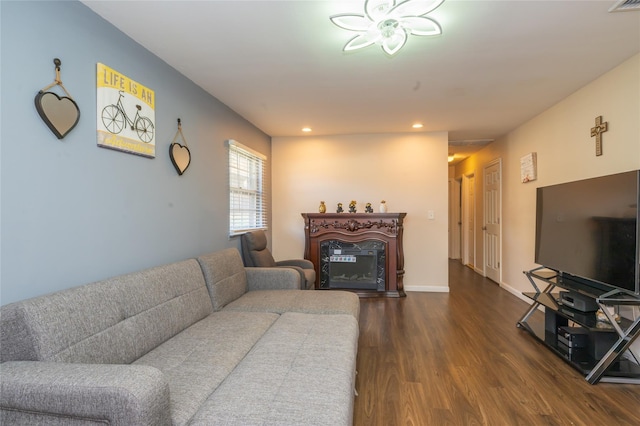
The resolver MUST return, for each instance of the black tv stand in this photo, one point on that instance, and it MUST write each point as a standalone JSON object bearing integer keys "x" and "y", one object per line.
{"x": 600, "y": 359}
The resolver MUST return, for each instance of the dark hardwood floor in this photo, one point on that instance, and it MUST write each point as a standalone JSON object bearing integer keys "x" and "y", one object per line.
{"x": 459, "y": 359}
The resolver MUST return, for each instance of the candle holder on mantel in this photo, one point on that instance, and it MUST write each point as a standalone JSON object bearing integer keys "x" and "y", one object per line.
{"x": 383, "y": 206}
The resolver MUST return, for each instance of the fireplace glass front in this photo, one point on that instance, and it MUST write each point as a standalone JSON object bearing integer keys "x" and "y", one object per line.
{"x": 352, "y": 265}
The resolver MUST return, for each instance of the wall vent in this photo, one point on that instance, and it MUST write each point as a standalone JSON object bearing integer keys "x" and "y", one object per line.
{"x": 625, "y": 6}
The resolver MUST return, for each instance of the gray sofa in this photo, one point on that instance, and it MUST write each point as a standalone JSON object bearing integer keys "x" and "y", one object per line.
{"x": 200, "y": 342}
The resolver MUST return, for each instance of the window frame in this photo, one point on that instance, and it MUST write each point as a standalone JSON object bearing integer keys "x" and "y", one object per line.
{"x": 247, "y": 205}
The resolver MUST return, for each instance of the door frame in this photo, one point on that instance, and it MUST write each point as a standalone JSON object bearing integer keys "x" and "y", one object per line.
{"x": 468, "y": 216}
{"x": 455, "y": 221}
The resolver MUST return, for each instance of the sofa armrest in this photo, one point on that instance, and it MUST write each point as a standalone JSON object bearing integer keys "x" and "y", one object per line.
{"x": 34, "y": 392}
{"x": 287, "y": 278}
{"x": 300, "y": 263}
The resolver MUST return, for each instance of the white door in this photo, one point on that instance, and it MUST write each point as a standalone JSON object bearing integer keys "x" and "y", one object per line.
{"x": 468, "y": 220}
{"x": 492, "y": 214}
{"x": 454, "y": 219}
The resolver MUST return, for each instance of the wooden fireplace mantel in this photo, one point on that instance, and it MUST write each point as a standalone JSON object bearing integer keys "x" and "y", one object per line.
{"x": 354, "y": 228}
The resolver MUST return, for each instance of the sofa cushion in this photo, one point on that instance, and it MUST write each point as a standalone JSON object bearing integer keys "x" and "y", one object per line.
{"x": 277, "y": 382}
{"x": 115, "y": 321}
{"x": 225, "y": 276}
{"x": 311, "y": 302}
{"x": 197, "y": 360}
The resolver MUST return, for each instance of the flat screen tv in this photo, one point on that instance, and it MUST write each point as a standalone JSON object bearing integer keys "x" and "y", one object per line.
{"x": 588, "y": 231}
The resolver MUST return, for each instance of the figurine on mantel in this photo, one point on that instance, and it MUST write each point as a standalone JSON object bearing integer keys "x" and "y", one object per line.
{"x": 368, "y": 208}
{"x": 352, "y": 207}
{"x": 339, "y": 209}
{"x": 322, "y": 208}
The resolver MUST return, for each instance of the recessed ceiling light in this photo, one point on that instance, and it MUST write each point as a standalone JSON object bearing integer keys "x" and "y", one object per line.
{"x": 417, "y": 126}
{"x": 306, "y": 129}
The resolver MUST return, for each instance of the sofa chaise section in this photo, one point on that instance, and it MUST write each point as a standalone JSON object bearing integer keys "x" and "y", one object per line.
{"x": 302, "y": 372}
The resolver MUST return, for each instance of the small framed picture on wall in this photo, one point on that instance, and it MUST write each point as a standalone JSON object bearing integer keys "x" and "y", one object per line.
{"x": 529, "y": 167}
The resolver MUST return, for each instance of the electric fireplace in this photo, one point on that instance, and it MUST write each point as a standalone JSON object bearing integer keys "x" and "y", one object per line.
{"x": 358, "y": 252}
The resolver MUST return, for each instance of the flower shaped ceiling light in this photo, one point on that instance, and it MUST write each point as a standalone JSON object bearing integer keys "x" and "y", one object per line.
{"x": 389, "y": 23}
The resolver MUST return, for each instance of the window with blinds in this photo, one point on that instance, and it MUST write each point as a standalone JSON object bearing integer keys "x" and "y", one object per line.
{"x": 247, "y": 202}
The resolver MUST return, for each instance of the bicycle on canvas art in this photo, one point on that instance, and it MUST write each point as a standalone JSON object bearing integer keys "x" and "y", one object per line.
{"x": 114, "y": 118}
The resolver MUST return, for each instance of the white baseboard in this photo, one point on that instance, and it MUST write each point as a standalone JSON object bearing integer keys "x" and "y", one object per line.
{"x": 427, "y": 288}
{"x": 519, "y": 294}
{"x": 515, "y": 292}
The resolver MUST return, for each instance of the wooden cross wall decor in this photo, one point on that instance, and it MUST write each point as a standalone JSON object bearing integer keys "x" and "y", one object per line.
{"x": 597, "y": 131}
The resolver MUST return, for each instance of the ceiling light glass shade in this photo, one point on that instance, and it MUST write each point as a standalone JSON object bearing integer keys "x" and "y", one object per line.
{"x": 389, "y": 23}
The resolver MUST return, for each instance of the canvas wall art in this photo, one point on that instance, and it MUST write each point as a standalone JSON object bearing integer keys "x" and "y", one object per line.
{"x": 125, "y": 113}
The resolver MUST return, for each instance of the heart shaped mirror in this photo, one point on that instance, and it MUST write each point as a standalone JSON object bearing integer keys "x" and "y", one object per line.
{"x": 59, "y": 114}
{"x": 180, "y": 154}
{"x": 180, "y": 157}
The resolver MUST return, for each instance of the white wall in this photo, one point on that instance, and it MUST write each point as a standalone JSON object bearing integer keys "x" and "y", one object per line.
{"x": 566, "y": 152}
{"x": 409, "y": 171}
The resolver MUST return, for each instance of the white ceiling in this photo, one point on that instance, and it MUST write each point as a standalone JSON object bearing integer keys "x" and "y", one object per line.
{"x": 280, "y": 64}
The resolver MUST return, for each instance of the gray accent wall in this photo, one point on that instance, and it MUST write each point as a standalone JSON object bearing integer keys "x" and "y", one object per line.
{"x": 71, "y": 212}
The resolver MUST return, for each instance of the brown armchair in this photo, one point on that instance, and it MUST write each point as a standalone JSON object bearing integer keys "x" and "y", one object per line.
{"x": 256, "y": 253}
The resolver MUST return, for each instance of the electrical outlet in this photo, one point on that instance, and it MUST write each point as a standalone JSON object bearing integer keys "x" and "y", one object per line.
{"x": 431, "y": 215}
